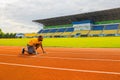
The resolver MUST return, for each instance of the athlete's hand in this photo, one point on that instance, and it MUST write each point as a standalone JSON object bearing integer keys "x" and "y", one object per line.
{"x": 36, "y": 52}
{"x": 44, "y": 52}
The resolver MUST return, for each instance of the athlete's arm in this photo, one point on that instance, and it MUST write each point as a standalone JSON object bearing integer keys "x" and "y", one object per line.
{"x": 42, "y": 48}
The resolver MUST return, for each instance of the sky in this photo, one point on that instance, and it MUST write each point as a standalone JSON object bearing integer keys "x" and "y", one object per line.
{"x": 16, "y": 15}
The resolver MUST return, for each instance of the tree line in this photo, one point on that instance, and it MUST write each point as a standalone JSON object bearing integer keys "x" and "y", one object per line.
{"x": 7, "y": 35}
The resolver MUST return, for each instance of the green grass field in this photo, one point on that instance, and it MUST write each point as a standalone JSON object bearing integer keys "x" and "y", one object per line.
{"x": 88, "y": 42}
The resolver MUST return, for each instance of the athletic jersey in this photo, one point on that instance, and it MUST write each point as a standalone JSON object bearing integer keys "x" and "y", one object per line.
{"x": 34, "y": 42}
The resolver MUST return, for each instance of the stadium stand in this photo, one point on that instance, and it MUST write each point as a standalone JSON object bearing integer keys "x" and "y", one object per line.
{"x": 58, "y": 26}
{"x": 96, "y": 30}
{"x": 99, "y": 23}
{"x": 97, "y": 27}
{"x": 56, "y": 32}
{"x": 108, "y": 22}
{"x": 51, "y": 32}
{"x": 110, "y": 32}
{"x": 62, "y": 30}
{"x": 118, "y": 30}
{"x": 68, "y": 32}
{"x": 110, "y": 29}
{"x": 59, "y": 32}
{"x": 43, "y": 32}
{"x": 30, "y": 35}
{"x": 75, "y": 33}
{"x": 84, "y": 32}
{"x": 70, "y": 29}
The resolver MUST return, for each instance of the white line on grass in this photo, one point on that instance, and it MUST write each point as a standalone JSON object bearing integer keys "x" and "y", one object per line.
{"x": 61, "y": 69}
{"x": 87, "y": 59}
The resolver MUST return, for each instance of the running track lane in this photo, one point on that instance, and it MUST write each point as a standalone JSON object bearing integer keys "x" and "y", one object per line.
{"x": 15, "y": 72}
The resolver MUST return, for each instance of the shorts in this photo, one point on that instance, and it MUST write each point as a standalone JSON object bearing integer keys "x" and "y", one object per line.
{"x": 31, "y": 49}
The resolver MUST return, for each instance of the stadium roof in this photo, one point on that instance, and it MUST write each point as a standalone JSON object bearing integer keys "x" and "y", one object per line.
{"x": 110, "y": 14}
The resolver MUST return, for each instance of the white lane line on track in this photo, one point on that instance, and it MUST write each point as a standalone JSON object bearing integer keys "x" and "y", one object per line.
{"x": 111, "y": 60}
{"x": 60, "y": 69}
{"x": 87, "y": 59}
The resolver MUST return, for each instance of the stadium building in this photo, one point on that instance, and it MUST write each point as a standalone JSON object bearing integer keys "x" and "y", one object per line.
{"x": 99, "y": 23}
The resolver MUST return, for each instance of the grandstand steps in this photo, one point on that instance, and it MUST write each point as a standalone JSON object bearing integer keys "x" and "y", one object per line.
{"x": 80, "y": 32}
{"x": 49, "y": 34}
{"x": 66, "y": 34}
{"x": 109, "y": 31}
{"x": 95, "y": 32}
{"x": 118, "y": 31}
{"x": 75, "y": 32}
{"x": 57, "y": 34}
{"x": 84, "y": 32}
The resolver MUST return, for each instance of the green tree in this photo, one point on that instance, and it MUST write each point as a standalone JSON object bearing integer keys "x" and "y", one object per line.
{"x": 12, "y": 35}
{"x": 1, "y": 33}
{"x": 0, "y": 30}
{"x": 7, "y": 35}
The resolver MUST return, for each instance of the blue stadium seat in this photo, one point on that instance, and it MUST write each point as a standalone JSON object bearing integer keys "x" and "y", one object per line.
{"x": 111, "y": 27}
{"x": 61, "y": 30}
{"x": 98, "y": 27}
{"x": 53, "y": 30}
{"x": 70, "y": 29}
{"x": 46, "y": 31}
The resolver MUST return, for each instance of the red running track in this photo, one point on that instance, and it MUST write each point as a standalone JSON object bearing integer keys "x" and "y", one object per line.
{"x": 60, "y": 64}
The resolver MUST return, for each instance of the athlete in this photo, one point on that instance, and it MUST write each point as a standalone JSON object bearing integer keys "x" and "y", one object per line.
{"x": 33, "y": 45}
